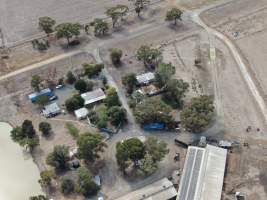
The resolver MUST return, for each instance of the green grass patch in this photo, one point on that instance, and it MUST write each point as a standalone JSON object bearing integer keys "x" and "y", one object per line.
{"x": 74, "y": 132}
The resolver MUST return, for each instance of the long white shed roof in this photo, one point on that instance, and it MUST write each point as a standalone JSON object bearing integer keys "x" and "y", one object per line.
{"x": 203, "y": 174}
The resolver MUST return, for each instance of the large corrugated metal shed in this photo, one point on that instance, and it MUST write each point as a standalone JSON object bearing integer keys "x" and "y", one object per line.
{"x": 160, "y": 190}
{"x": 203, "y": 174}
{"x": 145, "y": 78}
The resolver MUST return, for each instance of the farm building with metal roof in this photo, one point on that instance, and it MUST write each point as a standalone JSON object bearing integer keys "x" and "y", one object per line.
{"x": 203, "y": 174}
{"x": 93, "y": 96}
{"x": 159, "y": 190}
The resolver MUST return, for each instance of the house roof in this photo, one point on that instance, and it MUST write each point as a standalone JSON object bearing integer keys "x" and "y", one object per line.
{"x": 203, "y": 174}
{"x": 159, "y": 190}
{"x": 145, "y": 78}
{"x": 93, "y": 96}
{"x": 52, "y": 108}
{"x": 80, "y": 113}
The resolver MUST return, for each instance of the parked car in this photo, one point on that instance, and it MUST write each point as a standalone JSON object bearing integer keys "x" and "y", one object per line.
{"x": 53, "y": 98}
{"x": 59, "y": 86}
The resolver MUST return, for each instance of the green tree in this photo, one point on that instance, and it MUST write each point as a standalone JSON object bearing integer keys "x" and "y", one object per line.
{"x": 198, "y": 114}
{"x": 70, "y": 77}
{"x": 28, "y": 129}
{"x": 156, "y": 149}
{"x": 153, "y": 110}
{"x": 74, "y": 103}
{"x": 45, "y": 128}
{"x": 139, "y": 5}
{"x": 112, "y": 98}
{"x": 92, "y": 70}
{"x": 163, "y": 74}
{"x": 90, "y": 145}
{"x": 116, "y": 13}
{"x": 101, "y": 118}
{"x": 35, "y": 82}
{"x": 81, "y": 85}
{"x": 149, "y": 56}
{"x": 175, "y": 92}
{"x": 58, "y": 157}
{"x": 115, "y": 56}
{"x": 117, "y": 115}
{"x": 17, "y": 135}
{"x": 46, "y": 178}
{"x": 100, "y": 27}
{"x": 129, "y": 81}
{"x": 39, "y": 197}
{"x": 67, "y": 186}
{"x": 68, "y": 30}
{"x": 47, "y": 23}
{"x": 85, "y": 184}
{"x": 42, "y": 100}
{"x": 132, "y": 149}
{"x": 74, "y": 132}
{"x": 173, "y": 15}
{"x": 147, "y": 166}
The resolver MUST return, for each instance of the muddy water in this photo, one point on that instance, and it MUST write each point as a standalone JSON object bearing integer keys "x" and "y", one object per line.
{"x": 18, "y": 173}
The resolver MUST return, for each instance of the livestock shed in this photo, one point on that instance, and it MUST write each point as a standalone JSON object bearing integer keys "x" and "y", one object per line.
{"x": 93, "y": 96}
{"x": 144, "y": 79}
{"x": 45, "y": 92}
{"x": 51, "y": 110}
{"x": 81, "y": 113}
{"x": 203, "y": 174}
{"x": 159, "y": 190}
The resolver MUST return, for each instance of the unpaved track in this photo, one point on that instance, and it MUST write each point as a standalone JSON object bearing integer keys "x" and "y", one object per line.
{"x": 242, "y": 66}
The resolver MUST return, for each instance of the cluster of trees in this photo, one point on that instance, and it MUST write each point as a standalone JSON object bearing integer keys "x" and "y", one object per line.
{"x": 143, "y": 156}
{"x": 64, "y": 30}
{"x": 197, "y": 116}
{"x": 74, "y": 103}
{"x": 174, "y": 89}
{"x": 154, "y": 110}
{"x": 25, "y": 135}
{"x": 111, "y": 111}
{"x": 149, "y": 56}
{"x": 92, "y": 70}
{"x": 83, "y": 86}
{"x": 89, "y": 148}
{"x": 129, "y": 81}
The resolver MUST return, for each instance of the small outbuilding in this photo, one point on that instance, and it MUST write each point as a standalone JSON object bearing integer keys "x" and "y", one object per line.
{"x": 144, "y": 79}
{"x": 51, "y": 110}
{"x": 93, "y": 96}
{"x": 81, "y": 113}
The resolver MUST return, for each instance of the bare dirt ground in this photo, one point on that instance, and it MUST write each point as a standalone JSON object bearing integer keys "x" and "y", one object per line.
{"x": 244, "y": 22}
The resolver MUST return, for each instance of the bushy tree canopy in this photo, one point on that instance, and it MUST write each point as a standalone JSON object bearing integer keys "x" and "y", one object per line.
{"x": 67, "y": 30}
{"x": 173, "y": 15}
{"x": 129, "y": 81}
{"x": 150, "y": 56}
{"x": 58, "y": 157}
{"x": 163, "y": 74}
{"x": 45, "y": 128}
{"x": 115, "y": 55}
{"x": 74, "y": 103}
{"x": 47, "y": 23}
{"x": 198, "y": 114}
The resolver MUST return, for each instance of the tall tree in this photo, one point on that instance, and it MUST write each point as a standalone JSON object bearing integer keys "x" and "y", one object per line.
{"x": 196, "y": 116}
{"x": 85, "y": 184}
{"x": 116, "y": 13}
{"x": 173, "y": 15}
{"x": 74, "y": 103}
{"x": 68, "y": 30}
{"x": 132, "y": 149}
{"x": 129, "y": 81}
{"x": 90, "y": 145}
{"x": 175, "y": 92}
{"x": 45, "y": 128}
{"x": 100, "y": 27}
{"x": 46, "y": 178}
{"x": 58, "y": 157}
{"x": 35, "y": 82}
{"x": 112, "y": 98}
{"x": 156, "y": 149}
{"x": 47, "y": 23}
{"x": 115, "y": 56}
{"x": 81, "y": 85}
{"x": 28, "y": 129}
{"x": 149, "y": 56}
{"x": 70, "y": 77}
{"x": 153, "y": 110}
{"x": 163, "y": 74}
{"x": 139, "y": 5}
{"x": 117, "y": 115}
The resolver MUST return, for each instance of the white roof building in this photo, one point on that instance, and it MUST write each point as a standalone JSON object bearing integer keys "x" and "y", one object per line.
{"x": 81, "y": 113}
{"x": 145, "y": 78}
{"x": 203, "y": 174}
{"x": 93, "y": 96}
{"x": 159, "y": 190}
